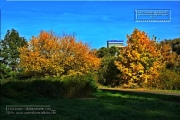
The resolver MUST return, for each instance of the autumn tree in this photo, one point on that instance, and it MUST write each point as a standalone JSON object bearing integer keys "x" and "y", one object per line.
{"x": 171, "y": 49}
{"x": 140, "y": 61}
{"x": 170, "y": 57}
{"x": 174, "y": 43}
{"x": 48, "y": 54}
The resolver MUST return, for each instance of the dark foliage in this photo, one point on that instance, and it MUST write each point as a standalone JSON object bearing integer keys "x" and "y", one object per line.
{"x": 72, "y": 86}
{"x": 175, "y": 44}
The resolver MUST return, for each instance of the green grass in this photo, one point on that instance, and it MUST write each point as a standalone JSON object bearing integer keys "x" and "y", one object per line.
{"x": 105, "y": 105}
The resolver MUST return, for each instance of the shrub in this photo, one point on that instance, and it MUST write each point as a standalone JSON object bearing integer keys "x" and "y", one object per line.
{"x": 168, "y": 79}
{"x": 107, "y": 74}
{"x": 48, "y": 87}
{"x": 5, "y": 71}
{"x": 68, "y": 86}
{"x": 78, "y": 85}
{"x": 32, "y": 88}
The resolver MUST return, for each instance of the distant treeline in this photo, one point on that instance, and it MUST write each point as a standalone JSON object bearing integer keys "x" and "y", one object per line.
{"x": 175, "y": 44}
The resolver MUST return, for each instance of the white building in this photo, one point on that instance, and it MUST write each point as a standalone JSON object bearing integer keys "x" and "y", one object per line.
{"x": 116, "y": 43}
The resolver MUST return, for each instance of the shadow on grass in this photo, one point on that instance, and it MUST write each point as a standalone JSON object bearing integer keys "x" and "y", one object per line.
{"x": 106, "y": 105}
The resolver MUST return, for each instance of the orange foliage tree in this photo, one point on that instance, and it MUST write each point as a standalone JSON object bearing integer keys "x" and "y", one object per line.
{"x": 140, "y": 61}
{"x": 170, "y": 57}
{"x": 50, "y": 55}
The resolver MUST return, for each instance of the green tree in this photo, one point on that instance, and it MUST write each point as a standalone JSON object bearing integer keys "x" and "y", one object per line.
{"x": 9, "y": 53}
{"x": 103, "y": 52}
{"x": 107, "y": 73}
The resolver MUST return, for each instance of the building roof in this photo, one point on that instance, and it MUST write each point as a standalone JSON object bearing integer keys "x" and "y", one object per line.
{"x": 115, "y": 41}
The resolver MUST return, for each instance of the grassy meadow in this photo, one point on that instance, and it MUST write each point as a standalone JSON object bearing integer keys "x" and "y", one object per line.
{"x": 102, "y": 105}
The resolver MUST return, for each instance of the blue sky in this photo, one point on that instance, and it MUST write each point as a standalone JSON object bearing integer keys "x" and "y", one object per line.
{"x": 92, "y": 22}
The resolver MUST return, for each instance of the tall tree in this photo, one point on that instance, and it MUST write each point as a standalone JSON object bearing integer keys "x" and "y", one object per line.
{"x": 107, "y": 73}
{"x": 9, "y": 48}
{"x": 140, "y": 60}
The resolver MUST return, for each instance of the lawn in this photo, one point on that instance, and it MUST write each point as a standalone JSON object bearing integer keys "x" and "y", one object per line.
{"x": 103, "y": 105}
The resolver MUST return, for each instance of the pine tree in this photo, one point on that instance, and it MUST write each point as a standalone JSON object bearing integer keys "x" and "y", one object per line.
{"x": 9, "y": 53}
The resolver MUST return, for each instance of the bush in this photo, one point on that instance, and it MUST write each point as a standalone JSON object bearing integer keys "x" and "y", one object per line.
{"x": 168, "y": 79}
{"x": 5, "y": 72}
{"x": 107, "y": 74}
{"x": 32, "y": 88}
{"x": 69, "y": 86}
{"x": 78, "y": 85}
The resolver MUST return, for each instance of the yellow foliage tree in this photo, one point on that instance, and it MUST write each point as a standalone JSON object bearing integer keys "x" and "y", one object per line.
{"x": 50, "y": 55}
{"x": 140, "y": 61}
